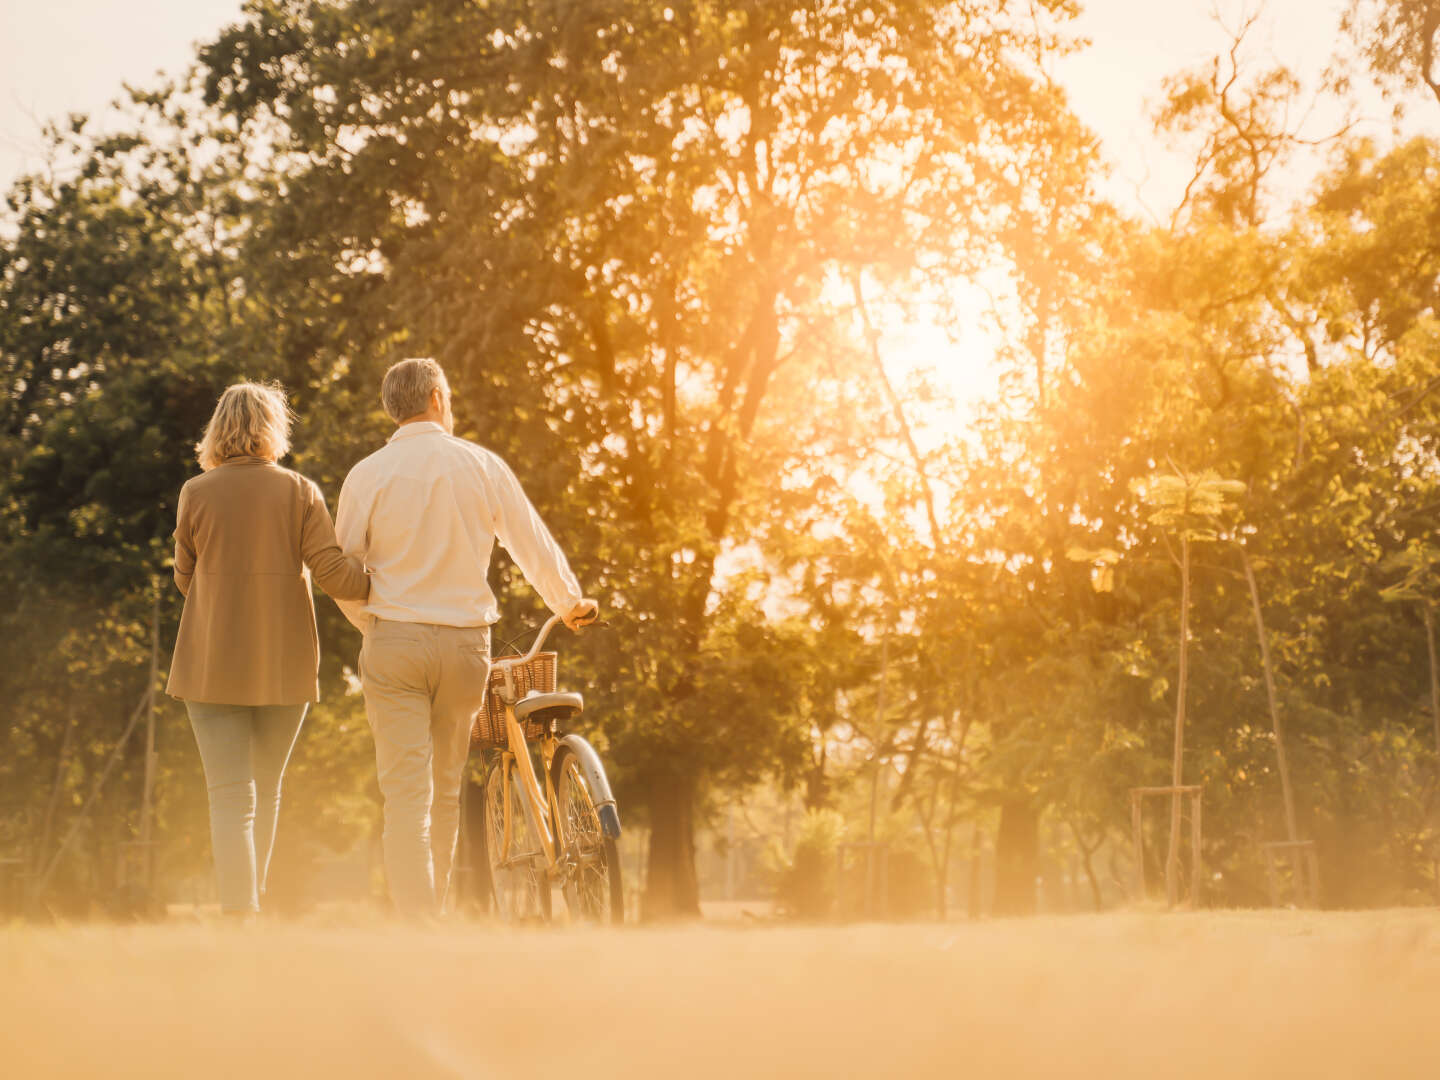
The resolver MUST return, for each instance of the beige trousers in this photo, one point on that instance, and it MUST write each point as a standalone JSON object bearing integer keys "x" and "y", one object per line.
{"x": 423, "y": 683}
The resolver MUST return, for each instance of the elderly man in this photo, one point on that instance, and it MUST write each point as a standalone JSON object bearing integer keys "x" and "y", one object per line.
{"x": 423, "y": 512}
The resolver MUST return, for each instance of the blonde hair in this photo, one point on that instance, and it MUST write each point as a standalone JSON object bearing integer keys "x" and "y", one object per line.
{"x": 250, "y": 420}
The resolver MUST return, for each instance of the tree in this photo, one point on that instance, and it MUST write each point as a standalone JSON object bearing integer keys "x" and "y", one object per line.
{"x": 1190, "y": 508}
{"x": 1418, "y": 563}
{"x": 125, "y": 307}
{"x": 1398, "y": 39}
{"x": 100, "y": 303}
{"x": 641, "y": 254}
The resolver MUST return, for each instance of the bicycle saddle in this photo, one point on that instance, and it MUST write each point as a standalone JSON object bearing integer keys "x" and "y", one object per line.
{"x": 559, "y": 706}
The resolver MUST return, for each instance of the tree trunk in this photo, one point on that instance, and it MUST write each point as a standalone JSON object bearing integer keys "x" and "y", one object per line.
{"x": 1087, "y": 857}
{"x": 1017, "y": 851}
{"x": 933, "y": 847}
{"x": 1429, "y": 615}
{"x": 943, "y": 884}
{"x": 42, "y": 884}
{"x": 975, "y": 897}
{"x": 817, "y": 784}
{"x": 47, "y": 831}
{"x": 671, "y": 888}
{"x": 1291, "y": 829}
{"x": 1095, "y": 895}
{"x": 1172, "y": 858}
{"x": 147, "y": 799}
{"x": 478, "y": 890}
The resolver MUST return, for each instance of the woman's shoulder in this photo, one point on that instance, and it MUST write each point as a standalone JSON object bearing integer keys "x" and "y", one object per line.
{"x": 257, "y": 477}
{"x": 305, "y": 489}
{"x": 199, "y": 484}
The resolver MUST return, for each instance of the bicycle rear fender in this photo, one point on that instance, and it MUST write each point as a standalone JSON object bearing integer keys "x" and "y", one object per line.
{"x": 597, "y": 782}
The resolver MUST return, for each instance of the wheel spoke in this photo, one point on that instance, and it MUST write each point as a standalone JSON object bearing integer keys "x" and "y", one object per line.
{"x": 518, "y": 874}
{"x": 587, "y": 890}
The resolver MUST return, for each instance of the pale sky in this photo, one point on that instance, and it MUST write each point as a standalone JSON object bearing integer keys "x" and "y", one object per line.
{"x": 58, "y": 56}
{"x": 64, "y": 56}
{"x": 1137, "y": 43}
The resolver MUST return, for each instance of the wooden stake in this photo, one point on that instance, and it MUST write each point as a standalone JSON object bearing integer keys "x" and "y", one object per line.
{"x": 1172, "y": 857}
{"x": 1429, "y": 615}
{"x": 48, "y": 829}
{"x": 1288, "y": 793}
{"x": 1195, "y": 850}
{"x": 1135, "y": 821}
{"x": 44, "y": 883}
{"x": 147, "y": 799}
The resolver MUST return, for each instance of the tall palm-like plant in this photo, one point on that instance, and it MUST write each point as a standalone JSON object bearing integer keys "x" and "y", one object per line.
{"x": 1419, "y": 562}
{"x": 1188, "y": 508}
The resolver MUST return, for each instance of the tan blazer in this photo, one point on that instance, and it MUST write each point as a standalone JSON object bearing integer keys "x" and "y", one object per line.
{"x": 247, "y": 530}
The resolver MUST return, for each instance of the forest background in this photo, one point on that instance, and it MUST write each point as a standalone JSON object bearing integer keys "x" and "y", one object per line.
{"x": 663, "y": 249}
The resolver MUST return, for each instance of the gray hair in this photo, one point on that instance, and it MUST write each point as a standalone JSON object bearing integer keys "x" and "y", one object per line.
{"x": 405, "y": 392}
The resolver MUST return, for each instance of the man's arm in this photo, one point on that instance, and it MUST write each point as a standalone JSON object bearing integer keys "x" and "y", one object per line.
{"x": 352, "y": 530}
{"x": 519, "y": 528}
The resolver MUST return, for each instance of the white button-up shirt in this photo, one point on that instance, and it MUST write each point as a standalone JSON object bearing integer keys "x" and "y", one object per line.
{"x": 424, "y": 512}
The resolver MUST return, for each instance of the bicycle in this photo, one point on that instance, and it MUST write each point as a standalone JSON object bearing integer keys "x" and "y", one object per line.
{"x": 564, "y": 835}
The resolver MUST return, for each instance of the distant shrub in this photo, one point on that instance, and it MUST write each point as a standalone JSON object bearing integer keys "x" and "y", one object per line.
{"x": 910, "y": 886}
{"x": 805, "y": 887}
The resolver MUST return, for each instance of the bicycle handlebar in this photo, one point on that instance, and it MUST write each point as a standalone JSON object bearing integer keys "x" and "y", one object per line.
{"x": 539, "y": 641}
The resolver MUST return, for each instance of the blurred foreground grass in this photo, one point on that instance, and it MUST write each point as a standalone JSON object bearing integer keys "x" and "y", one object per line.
{"x": 1215, "y": 994}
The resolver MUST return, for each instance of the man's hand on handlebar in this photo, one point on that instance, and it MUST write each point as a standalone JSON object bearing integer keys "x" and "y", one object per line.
{"x": 582, "y": 614}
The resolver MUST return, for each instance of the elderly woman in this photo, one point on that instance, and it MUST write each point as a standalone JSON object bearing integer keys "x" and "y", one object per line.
{"x": 249, "y": 536}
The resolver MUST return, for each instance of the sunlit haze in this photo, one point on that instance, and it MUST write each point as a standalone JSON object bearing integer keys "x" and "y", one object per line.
{"x": 73, "y": 56}
{"x": 929, "y": 575}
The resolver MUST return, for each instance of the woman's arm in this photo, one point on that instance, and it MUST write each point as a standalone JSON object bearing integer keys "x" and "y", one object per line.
{"x": 338, "y": 574}
{"x": 184, "y": 546}
{"x": 352, "y": 516}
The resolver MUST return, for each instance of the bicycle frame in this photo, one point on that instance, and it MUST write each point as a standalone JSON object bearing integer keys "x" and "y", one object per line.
{"x": 542, "y": 808}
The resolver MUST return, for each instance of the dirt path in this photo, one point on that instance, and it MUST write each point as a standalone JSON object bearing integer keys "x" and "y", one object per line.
{"x": 1210, "y": 995}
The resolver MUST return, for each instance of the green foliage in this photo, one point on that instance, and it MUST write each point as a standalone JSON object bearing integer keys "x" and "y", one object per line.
{"x": 1188, "y": 506}
{"x": 1399, "y": 40}
{"x": 634, "y": 271}
{"x": 1418, "y": 563}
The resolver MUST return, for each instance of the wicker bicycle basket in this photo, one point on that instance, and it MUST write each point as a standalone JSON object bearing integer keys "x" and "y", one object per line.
{"x": 488, "y": 728}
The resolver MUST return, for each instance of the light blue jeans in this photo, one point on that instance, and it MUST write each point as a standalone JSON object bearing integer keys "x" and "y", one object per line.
{"x": 244, "y": 749}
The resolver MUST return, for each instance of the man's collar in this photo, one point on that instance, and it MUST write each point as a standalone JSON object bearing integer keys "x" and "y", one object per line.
{"x": 416, "y": 427}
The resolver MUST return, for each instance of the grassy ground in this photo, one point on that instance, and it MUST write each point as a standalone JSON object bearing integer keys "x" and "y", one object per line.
{"x": 1274, "y": 994}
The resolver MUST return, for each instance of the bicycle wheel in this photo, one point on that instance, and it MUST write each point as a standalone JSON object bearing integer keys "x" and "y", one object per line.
{"x": 518, "y": 880}
{"x": 592, "y": 886}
